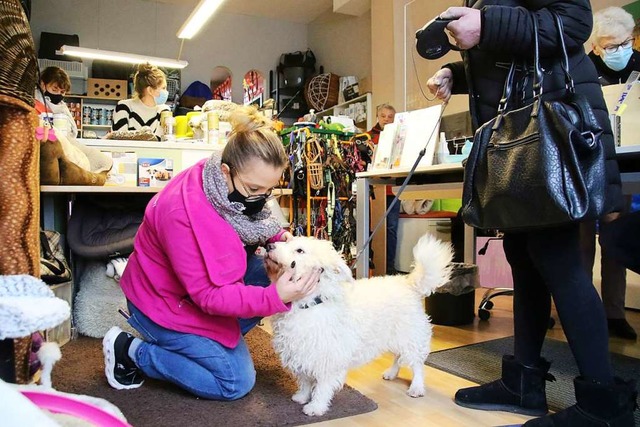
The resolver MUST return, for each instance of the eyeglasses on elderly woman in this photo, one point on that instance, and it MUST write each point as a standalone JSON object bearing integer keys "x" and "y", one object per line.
{"x": 613, "y": 48}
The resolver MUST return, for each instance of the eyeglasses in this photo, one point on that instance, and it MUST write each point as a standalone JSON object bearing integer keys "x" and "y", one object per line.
{"x": 613, "y": 48}
{"x": 250, "y": 197}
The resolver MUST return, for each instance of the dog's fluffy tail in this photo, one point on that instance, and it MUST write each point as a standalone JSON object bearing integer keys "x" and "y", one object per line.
{"x": 432, "y": 264}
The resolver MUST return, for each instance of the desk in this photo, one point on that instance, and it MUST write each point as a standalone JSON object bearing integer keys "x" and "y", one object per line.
{"x": 183, "y": 154}
{"x": 434, "y": 182}
{"x": 445, "y": 181}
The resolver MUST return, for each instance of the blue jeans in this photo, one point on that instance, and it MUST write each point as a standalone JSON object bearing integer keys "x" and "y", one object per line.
{"x": 392, "y": 234}
{"x": 195, "y": 363}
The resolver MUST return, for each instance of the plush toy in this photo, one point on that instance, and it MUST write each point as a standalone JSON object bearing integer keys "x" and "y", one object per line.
{"x": 331, "y": 126}
{"x": 64, "y": 161}
{"x": 46, "y": 133}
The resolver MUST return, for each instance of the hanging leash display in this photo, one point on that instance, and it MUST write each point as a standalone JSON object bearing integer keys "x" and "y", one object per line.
{"x": 313, "y": 155}
{"x": 331, "y": 204}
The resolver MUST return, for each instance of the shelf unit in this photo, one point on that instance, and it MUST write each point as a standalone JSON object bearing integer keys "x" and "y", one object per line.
{"x": 77, "y": 104}
{"x": 290, "y": 101}
{"x": 349, "y": 106}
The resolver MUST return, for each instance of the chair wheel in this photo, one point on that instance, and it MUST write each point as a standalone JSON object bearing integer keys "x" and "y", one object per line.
{"x": 488, "y": 304}
{"x": 484, "y": 314}
{"x": 552, "y": 323}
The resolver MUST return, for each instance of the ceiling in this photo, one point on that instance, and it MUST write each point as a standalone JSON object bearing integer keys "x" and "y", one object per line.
{"x": 286, "y": 10}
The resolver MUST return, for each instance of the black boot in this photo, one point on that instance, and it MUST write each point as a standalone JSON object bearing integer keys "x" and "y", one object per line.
{"x": 596, "y": 405}
{"x": 621, "y": 328}
{"x": 521, "y": 390}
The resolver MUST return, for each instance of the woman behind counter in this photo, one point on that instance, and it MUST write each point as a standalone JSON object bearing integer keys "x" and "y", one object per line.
{"x": 143, "y": 110}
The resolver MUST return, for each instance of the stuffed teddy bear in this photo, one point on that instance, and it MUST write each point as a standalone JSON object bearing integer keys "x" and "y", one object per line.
{"x": 77, "y": 165}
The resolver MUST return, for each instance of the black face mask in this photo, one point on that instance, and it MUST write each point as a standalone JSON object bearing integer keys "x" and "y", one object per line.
{"x": 54, "y": 98}
{"x": 250, "y": 208}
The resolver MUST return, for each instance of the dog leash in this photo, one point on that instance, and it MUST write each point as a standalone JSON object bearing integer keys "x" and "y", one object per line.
{"x": 402, "y": 187}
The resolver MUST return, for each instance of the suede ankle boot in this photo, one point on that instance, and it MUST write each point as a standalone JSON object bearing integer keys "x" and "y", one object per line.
{"x": 520, "y": 390}
{"x": 596, "y": 405}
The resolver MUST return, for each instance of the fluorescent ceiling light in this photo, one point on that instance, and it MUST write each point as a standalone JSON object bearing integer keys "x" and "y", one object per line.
{"x": 198, "y": 18}
{"x": 129, "y": 58}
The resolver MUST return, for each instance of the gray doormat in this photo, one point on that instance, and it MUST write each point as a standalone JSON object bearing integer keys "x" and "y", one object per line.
{"x": 156, "y": 403}
{"x": 481, "y": 363}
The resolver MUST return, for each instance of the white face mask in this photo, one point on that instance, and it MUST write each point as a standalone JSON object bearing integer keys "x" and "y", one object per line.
{"x": 619, "y": 59}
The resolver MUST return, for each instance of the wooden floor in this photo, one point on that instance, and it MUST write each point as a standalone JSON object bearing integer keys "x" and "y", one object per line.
{"x": 436, "y": 408}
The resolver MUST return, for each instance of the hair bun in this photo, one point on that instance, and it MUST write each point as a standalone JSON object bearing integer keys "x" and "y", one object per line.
{"x": 248, "y": 119}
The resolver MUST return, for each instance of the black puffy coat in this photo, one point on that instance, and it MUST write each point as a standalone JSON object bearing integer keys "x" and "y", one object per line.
{"x": 507, "y": 32}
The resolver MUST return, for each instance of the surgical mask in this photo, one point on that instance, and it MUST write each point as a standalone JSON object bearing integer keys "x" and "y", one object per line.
{"x": 619, "y": 59}
{"x": 162, "y": 98}
{"x": 250, "y": 208}
{"x": 54, "y": 98}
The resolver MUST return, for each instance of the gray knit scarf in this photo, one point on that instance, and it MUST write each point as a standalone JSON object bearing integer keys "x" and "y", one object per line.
{"x": 254, "y": 229}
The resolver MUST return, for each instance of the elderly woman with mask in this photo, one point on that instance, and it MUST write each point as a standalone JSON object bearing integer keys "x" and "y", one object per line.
{"x": 612, "y": 43}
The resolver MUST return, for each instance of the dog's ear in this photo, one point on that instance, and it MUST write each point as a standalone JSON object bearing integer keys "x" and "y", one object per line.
{"x": 342, "y": 271}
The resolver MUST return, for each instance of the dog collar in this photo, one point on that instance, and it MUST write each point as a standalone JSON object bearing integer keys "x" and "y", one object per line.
{"x": 317, "y": 300}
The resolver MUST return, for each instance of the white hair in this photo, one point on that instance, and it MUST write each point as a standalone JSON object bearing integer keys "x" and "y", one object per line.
{"x": 611, "y": 22}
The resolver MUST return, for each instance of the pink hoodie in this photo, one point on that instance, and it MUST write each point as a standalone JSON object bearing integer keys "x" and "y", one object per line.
{"x": 186, "y": 271}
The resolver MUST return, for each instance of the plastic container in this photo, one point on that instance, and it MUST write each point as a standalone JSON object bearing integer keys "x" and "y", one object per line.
{"x": 61, "y": 123}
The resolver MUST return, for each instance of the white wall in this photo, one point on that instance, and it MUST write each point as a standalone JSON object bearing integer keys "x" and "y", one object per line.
{"x": 238, "y": 42}
{"x": 342, "y": 43}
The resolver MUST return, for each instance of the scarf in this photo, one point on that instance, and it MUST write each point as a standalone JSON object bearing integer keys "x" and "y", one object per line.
{"x": 254, "y": 229}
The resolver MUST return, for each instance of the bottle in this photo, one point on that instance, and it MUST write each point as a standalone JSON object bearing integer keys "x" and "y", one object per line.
{"x": 61, "y": 123}
{"x": 169, "y": 131}
{"x": 443, "y": 149}
{"x": 213, "y": 126}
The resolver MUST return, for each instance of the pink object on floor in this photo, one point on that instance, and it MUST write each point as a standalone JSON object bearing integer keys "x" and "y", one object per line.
{"x": 60, "y": 404}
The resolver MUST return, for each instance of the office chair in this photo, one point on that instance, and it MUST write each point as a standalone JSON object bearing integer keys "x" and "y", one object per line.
{"x": 486, "y": 304}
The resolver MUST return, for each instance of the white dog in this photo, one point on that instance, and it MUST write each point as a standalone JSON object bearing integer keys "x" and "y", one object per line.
{"x": 347, "y": 323}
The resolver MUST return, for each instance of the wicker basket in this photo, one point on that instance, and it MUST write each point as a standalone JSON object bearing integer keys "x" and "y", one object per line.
{"x": 322, "y": 91}
{"x": 18, "y": 63}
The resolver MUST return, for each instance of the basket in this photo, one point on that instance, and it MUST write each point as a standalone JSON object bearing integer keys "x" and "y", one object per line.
{"x": 322, "y": 91}
{"x": 107, "y": 88}
{"x": 18, "y": 63}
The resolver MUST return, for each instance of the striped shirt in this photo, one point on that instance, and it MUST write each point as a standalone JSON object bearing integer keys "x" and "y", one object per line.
{"x": 133, "y": 114}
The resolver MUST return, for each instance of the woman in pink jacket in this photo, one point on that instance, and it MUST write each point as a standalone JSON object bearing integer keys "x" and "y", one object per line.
{"x": 193, "y": 283}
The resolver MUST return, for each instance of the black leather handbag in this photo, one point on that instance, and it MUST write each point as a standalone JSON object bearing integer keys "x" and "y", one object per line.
{"x": 541, "y": 165}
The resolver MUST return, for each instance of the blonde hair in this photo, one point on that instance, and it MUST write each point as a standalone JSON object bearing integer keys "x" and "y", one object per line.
{"x": 147, "y": 76}
{"x": 252, "y": 137}
{"x": 611, "y": 22}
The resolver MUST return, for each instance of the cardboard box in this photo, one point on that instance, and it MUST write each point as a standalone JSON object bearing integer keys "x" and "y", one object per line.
{"x": 365, "y": 85}
{"x": 154, "y": 172}
{"x": 351, "y": 92}
{"x": 124, "y": 172}
{"x": 61, "y": 333}
{"x": 106, "y": 88}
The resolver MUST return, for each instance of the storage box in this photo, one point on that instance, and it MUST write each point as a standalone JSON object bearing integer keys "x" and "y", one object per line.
{"x": 351, "y": 92}
{"x": 61, "y": 333}
{"x": 124, "y": 172}
{"x": 106, "y": 88}
{"x": 364, "y": 84}
{"x": 154, "y": 172}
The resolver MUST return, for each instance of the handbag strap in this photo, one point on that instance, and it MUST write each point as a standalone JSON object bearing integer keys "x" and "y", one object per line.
{"x": 565, "y": 56}
{"x": 538, "y": 77}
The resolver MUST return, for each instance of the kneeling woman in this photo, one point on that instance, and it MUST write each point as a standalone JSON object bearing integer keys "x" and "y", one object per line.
{"x": 193, "y": 284}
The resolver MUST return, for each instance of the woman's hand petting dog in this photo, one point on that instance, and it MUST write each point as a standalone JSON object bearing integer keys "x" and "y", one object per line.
{"x": 290, "y": 289}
